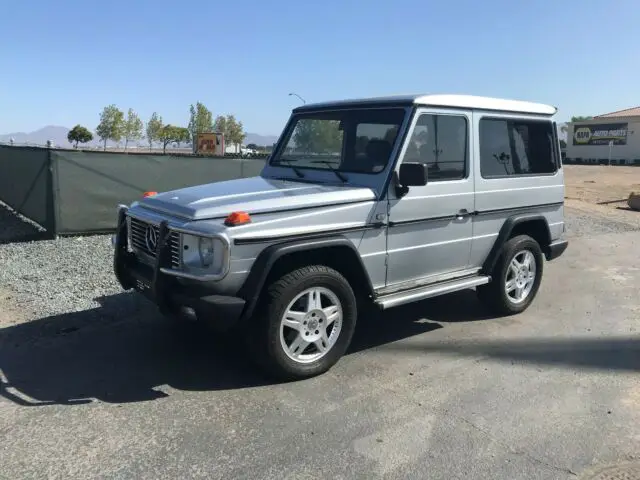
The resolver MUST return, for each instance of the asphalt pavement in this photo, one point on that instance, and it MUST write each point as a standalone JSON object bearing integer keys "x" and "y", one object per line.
{"x": 436, "y": 390}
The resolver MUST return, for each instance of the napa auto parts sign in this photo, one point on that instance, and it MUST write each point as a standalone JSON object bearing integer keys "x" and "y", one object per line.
{"x": 600, "y": 134}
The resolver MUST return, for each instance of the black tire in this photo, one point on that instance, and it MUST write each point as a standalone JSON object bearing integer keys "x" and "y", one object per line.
{"x": 266, "y": 343}
{"x": 494, "y": 294}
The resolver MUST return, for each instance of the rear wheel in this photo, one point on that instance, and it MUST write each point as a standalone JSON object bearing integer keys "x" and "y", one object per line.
{"x": 516, "y": 277}
{"x": 308, "y": 322}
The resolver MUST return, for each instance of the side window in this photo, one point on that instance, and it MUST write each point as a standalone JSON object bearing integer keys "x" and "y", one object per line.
{"x": 516, "y": 147}
{"x": 440, "y": 142}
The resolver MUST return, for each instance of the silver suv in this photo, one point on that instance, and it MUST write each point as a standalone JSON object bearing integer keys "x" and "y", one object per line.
{"x": 381, "y": 201}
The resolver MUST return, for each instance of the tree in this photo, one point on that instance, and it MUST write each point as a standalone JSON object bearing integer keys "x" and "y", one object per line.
{"x": 220, "y": 125}
{"x": 79, "y": 134}
{"x": 200, "y": 121}
{"x": 132, "y": 129}
{"x": 318, "y": 136}
{"x": 235, "y": 131}
{"x": 232, "y": 129}
{"x": 171, "y": 134}
{"x": 565, "y": 128}
{"x": 304, "y": 135}
{"x": 154, "y": 125}
{"x": 111, "y": 125}
{"x": 563, "y": 144}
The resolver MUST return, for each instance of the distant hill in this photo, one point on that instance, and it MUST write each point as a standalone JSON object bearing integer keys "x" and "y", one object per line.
{"x": 58, "y": 135}
{"x": 55, "y": 133}
{"x": 261, "y": 140}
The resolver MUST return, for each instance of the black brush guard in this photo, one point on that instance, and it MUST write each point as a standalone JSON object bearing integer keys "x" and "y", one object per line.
{"x": 164, "y": 290}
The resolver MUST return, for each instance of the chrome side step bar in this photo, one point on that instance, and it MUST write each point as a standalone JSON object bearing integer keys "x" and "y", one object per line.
{"x": 416, "y": 294}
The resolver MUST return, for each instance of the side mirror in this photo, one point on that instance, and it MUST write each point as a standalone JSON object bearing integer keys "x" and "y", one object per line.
{"x": 413, "y": 174}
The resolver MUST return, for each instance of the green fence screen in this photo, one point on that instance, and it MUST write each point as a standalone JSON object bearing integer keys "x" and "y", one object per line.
{"x": 90, "y": 185}
{"x": 26, "y": 183}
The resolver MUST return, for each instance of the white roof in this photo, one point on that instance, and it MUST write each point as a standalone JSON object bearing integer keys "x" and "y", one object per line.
{"x": 485, "y": 103}
{"x": 470, "y": 102}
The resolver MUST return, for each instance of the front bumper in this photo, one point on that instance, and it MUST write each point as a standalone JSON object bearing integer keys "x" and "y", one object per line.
{"x": 166, "y": 291}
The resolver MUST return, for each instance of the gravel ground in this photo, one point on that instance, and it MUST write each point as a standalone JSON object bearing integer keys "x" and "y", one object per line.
{"x": 581, "y": 223}
{"x": 52, "y": 277}
{"x": 44, "y": 278}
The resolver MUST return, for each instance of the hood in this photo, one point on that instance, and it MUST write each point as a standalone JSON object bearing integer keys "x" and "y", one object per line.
{"x": 253, "y": 195}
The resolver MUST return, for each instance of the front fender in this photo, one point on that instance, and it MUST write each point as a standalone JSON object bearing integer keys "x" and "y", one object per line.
{"x": 255, "y": 282}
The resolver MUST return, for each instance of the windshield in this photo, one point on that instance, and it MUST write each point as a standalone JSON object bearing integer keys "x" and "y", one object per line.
{"x": 354, "y": 140}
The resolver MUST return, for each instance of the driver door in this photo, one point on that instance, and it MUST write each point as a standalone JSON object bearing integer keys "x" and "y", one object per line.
{"x": 430, "y": 228}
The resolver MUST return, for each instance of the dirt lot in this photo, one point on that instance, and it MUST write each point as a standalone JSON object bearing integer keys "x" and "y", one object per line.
{"x": 602, "y": 189}
{"x": 93, "y": 383}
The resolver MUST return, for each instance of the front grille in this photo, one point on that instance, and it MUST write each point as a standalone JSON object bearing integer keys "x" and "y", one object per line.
{"x": 141, "y": 244}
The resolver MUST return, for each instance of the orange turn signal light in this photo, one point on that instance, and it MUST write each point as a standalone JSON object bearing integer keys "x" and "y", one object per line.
{"x": 149, "y": 194}
{"x": 237, "y": 218}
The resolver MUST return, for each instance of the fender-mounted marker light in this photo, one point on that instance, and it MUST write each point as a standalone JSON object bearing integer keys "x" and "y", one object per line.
{"x": 149, "y": 194}
{"x": 237, "y": 218}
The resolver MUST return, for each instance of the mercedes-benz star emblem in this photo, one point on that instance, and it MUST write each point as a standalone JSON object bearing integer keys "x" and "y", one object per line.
{"x": 151, "y": 238}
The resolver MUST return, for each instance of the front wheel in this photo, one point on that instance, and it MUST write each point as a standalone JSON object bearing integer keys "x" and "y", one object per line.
{"x": 515, "y": 280}
{"x": 308, "y": 322}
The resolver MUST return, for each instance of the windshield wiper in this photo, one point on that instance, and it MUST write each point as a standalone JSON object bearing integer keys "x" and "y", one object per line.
{"x": 295, "y": 170}
{"x": 339, "y": 174}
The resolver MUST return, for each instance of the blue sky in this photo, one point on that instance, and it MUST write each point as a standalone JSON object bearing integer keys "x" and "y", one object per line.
{"x": 62, "y": 61}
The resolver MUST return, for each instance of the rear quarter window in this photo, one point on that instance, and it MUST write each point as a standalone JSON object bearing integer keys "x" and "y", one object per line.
{"x": 516, "y": 147}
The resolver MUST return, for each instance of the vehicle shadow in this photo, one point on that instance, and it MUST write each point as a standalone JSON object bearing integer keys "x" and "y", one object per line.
{"x": 619, "y": 353}
{"x": 120, "y": 352}
{"x": 123, "y": 351}
{"x": 380, "y": 328}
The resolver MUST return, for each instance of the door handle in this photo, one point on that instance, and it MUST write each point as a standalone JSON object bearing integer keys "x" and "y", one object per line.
{"x": 461, "y": 214}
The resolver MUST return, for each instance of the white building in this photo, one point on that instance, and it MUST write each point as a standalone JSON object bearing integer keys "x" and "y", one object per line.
{"x": 613, "y": 136}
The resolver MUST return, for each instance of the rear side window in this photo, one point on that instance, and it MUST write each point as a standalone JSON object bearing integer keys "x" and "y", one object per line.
{"x": 516, "y": 148}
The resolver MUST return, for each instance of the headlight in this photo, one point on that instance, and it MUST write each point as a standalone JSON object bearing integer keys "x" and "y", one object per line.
{"x": 205, "y": 249}
{"x": 207, "y": 255}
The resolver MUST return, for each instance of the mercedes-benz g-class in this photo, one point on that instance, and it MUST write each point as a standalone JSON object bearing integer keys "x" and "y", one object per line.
{"x": 381, "y": 201}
